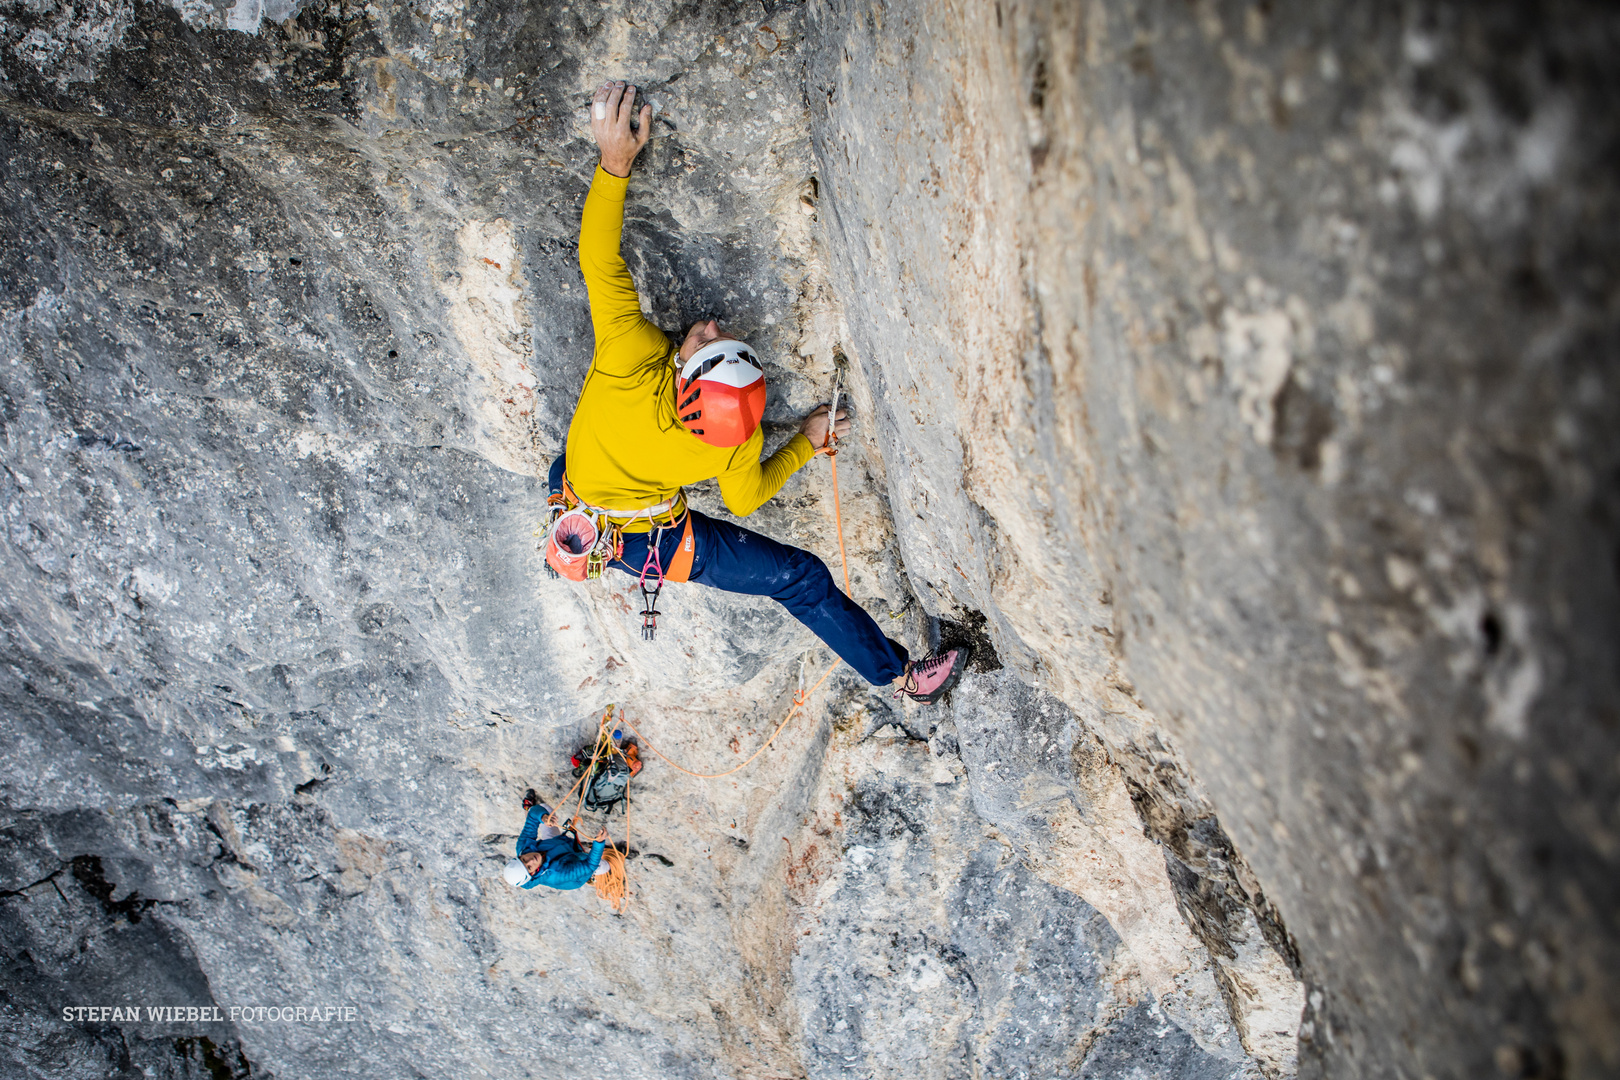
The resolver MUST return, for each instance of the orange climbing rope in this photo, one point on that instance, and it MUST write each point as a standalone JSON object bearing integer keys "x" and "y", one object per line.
{"x": 798, "y": 703}
{"x": 617, "y": 890}
{"x": 831, "y": 446}
{"x": 799, "y": 699}
{"x": 596, "y": 754}
{"x": 614, "y": 886}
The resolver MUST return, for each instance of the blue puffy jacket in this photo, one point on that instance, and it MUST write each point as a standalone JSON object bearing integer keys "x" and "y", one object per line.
{"x": 566, "y": 867}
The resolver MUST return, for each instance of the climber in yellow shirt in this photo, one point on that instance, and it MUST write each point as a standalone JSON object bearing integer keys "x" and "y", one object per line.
{"x": 653, "y": 417}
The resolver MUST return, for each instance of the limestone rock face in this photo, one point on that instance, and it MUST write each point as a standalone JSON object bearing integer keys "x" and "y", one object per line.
{"x": 1234, "y": 379}
{"x": 1250, "y": 369}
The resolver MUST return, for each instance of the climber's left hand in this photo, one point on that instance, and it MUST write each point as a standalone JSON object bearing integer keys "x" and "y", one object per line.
{"x": 814, "y": 427}
{"x": 611, "y": 106}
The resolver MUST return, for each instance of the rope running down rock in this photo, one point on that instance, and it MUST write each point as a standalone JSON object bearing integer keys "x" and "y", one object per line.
{"x": 604, "y": 742}
{"x": 831, "y": 446}
{"x": 621, "y": 901}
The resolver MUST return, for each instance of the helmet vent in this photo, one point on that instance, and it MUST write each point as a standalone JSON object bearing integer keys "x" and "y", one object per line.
{"x": 732, "y": 379}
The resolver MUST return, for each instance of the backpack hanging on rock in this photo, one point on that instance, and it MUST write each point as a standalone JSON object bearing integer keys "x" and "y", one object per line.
{"x": 608, "y": 785}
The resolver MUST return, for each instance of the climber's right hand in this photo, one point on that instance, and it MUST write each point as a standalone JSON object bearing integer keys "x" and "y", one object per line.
{"x": 610, "y": 123}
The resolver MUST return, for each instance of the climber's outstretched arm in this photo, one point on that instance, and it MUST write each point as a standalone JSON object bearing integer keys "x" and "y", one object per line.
{"x": 752, "y": 483}
{"x": 615, "y": 306}
{"x": 531, "y": 828}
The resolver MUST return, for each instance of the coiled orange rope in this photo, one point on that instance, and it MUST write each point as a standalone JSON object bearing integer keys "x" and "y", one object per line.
{"x": 596, "y": 751}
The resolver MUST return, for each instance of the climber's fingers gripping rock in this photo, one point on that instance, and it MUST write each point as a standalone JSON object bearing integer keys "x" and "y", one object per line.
{"x": 611, "y": 107}
{"x": 815, "y": 427}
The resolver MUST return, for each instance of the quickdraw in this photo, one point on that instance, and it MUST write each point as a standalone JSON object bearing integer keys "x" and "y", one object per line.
{"x": 653, "y": 564}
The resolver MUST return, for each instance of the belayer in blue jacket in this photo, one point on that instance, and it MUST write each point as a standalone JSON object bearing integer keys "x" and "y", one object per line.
{"x": 548, "y": 856}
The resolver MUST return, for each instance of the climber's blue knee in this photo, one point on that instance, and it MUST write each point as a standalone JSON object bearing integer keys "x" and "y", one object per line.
{"x": 735, "y": 559}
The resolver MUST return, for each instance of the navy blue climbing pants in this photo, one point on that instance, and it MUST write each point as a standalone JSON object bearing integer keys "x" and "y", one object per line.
{"x": 734, "y": 559}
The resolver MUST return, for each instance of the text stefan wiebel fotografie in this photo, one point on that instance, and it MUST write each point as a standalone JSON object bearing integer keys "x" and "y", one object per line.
{"x": 210, "y": 1014}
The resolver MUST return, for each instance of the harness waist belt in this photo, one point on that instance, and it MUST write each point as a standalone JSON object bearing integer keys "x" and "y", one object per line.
{"x": 651, "y": 513}
{"x": 628, "y": 515}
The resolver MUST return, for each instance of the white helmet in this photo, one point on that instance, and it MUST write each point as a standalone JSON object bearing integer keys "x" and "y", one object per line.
{"x": 720, "y": 395}
{"x": 516, "y": 873}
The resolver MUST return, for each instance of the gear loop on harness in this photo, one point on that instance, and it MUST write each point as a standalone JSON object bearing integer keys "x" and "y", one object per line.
{"x": 578, "y": 554}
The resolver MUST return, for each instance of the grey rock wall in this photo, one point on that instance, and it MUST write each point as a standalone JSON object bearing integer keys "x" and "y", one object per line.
{"x": 292, "y": 327}
{"x": 1236, "y": 378}
{"x": 1251, "y": 368}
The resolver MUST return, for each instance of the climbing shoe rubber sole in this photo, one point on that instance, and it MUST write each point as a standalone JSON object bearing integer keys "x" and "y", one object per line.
{"x": 964, "y": 656}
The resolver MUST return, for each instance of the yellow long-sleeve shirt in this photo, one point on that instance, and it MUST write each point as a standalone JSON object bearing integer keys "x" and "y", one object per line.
{"x": 626, "y": 446}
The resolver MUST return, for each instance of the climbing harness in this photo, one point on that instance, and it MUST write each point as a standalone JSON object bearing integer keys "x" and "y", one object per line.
{"x": 581, "y": 540}
{"x": 575, "y": 530}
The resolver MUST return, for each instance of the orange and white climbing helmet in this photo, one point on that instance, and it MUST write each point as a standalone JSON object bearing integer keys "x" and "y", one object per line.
{"x": 720, "y": 394}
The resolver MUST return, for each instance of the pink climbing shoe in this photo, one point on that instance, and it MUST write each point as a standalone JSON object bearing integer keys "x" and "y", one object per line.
{"x": 927, "y": 680}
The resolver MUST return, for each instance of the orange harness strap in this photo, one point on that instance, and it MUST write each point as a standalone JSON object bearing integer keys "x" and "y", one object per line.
{"x": 569, "y": 498}
{"x": 680, "y": 567}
